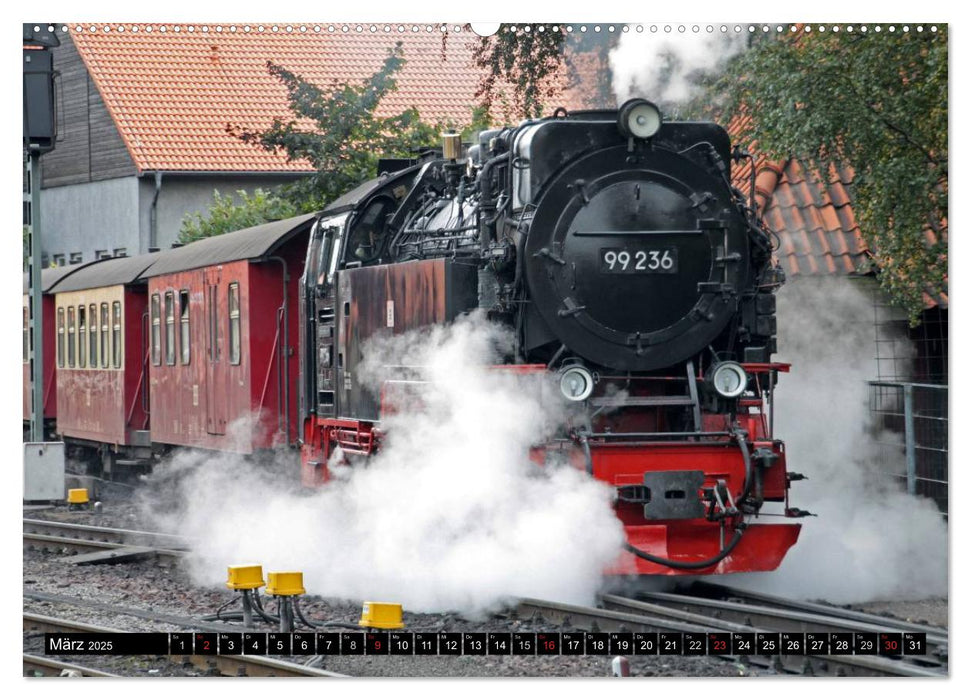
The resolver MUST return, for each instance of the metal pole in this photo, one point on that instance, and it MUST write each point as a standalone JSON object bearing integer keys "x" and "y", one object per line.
{"x": 36, "y": 305}
{"x": 247, "y": 610}
{"x": 909, "y": 439}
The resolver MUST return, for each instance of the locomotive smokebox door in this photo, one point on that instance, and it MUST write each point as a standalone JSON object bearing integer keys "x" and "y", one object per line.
{"x": 385, "y": 300}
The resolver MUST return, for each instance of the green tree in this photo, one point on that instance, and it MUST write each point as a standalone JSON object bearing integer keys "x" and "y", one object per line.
{"x": 337, "y": 131}
{"x": 227, "y": 215}
{"x": 525, "y": 60}
{"x": 874, "y": 102}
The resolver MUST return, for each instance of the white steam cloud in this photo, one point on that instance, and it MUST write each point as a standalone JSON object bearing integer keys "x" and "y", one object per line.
{"x": 664, "y": 68}
{"x": 451, "y": 515}
{"x": 870, "y": 541}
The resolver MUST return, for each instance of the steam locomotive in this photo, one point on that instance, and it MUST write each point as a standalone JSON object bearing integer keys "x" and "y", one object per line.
{"x": 616, "y": 249}
{"x": 612, "y": 246}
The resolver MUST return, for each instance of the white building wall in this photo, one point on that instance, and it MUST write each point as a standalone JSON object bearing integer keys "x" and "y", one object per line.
{"x": 89, "y": 217}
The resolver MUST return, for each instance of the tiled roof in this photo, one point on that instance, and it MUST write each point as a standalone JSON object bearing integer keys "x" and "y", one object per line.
{"x": 172, "y": 96}
{"x": 811, "y": 215}
{"x": 818, "y": 234}
{"x": 814, "y": 220}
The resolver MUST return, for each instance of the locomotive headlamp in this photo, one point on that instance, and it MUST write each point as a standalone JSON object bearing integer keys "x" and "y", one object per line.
{"x": 728, "y": 379}
{"x": 576, "y": 383}
{"x": 639, "y": 119}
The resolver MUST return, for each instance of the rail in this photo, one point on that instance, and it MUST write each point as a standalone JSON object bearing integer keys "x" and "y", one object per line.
{"x": 223, "y": 665}
{"x": 701, "y": 615}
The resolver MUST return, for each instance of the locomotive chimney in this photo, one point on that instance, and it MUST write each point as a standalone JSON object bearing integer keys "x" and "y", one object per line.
{"x": 451, "y": 146}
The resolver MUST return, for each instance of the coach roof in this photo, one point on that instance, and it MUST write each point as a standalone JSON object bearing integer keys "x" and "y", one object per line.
{"x": 247, "y": 244}
{"x": 105, "y": 273}
{"x": 52, "y": 275}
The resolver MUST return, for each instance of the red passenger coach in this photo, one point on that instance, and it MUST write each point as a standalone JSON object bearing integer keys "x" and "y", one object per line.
{"x": 223, "y": 333}
{"x": 100, "y": 356}
{"x": 49, "y": 277}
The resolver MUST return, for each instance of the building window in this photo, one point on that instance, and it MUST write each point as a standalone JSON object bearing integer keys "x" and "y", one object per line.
{"x": 93, "y": 335}
{"x": 60, "y": 336}
{"x": 120, "y": 252}
{"x": 234, "y": 323}
{"x": 58, "y": 259}
{"x": 82, "y": 337}
{"x": 105, "y": 350}
{"x": 116, "y": 333}
{"x": 101, "y": 254}
{"x": 156, "y": 331}
{"x": 169, "y": 328}
{"x": 72, "y": 337}
{"x": 76, "y": 258}
{"x": 184, "y": 323}
{"x": 26, "y": 335}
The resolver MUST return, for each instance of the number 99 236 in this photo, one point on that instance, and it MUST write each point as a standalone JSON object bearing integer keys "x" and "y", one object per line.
{"x": 639, "y": 260}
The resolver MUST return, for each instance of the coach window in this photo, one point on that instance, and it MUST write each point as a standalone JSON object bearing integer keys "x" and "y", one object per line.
{"x": 234, "y": 323}
{"x": 82, "y": 337}
{"x": 93, "y": 335}
{"x": 104, "y": 335}
{"x": 184, "y": 336}
{"x": 169, "y": 328}
{"x": 60, "y": 336}
{"x": 71, "y": 337}
{"x": 156, "y": 331}
{"x": 26, "y": 336}
{"x": 116, "y": 333}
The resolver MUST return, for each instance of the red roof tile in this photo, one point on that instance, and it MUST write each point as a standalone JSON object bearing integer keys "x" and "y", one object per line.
{"x": 812, "y": 216}
{"x": 172, "y": 95}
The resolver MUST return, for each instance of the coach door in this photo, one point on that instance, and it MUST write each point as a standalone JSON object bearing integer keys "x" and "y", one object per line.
{"x": 216, "y": 408}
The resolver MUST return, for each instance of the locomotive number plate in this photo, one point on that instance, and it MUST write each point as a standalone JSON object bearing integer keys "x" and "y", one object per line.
{"x": 633, "y": 261}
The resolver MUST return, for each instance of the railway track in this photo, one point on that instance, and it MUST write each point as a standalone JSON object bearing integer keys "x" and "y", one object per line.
{"x": 775, "y": 613}
{"x": 705, "y": 607}
{"x": 78, "y": 539}
{"x": 257, "y": 666}
{"x": 45, "y": 666}
{"x": 619, "y": 614}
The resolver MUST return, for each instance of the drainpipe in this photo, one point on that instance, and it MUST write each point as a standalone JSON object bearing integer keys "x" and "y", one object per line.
{"x": 153, "y": 232}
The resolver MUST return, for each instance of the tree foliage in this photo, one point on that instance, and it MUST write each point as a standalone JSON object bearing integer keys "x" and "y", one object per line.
{"x": 338, "y": 132}
{"x": 525, "y": 60}
{"x": 876, "y": 103}
{"x": 225, "y": 214}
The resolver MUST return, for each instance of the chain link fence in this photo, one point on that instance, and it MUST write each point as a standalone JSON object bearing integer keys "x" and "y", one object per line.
{"x": 911, "y": 420}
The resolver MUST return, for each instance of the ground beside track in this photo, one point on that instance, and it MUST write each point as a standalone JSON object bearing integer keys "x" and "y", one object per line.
{"x": 146, "y": 585}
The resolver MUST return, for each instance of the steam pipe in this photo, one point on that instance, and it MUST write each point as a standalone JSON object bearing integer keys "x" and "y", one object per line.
{"x": 739, "y": 436}
{"x": 487, "y": 204}
{"x": 584, "y": 443}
